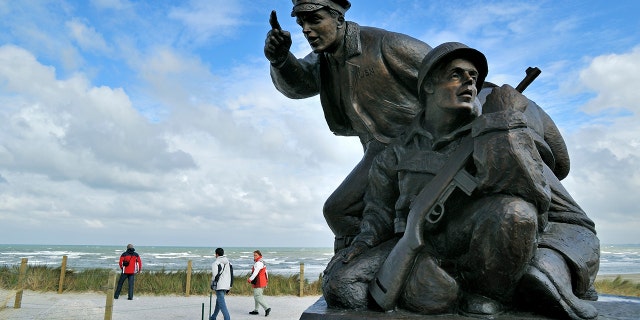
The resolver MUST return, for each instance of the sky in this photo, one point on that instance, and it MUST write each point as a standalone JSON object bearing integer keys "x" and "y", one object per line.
{"x": 155, "y": 122}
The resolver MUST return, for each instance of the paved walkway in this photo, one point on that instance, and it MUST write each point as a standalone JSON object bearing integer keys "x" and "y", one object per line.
{"x": 82, "y": 306}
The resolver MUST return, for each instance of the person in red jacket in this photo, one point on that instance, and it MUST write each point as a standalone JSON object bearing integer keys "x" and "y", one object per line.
{"x": 130, "y": 264}
{"x": 259, "y": 279}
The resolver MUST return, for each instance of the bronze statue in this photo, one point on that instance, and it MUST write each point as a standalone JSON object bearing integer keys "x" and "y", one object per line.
{"x": 366, "y": 78}
{"x": 465, "y": 212}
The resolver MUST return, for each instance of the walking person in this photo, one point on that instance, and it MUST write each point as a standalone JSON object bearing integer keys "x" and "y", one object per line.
{"x": 221, "y": 283}
{"x": 259, "y": 279}
{"x": 130, "y": 263}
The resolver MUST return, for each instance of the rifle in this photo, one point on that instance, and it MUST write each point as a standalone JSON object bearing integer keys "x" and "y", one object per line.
{"x": 428, "y": 208}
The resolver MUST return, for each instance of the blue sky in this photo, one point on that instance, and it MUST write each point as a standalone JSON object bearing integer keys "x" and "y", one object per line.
{"x": 156, "y": 123}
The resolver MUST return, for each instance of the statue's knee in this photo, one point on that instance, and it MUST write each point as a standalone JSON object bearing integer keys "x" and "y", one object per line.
{"x": 329, "y": 209}
{"x": 519, "y": 218}
{"x": 519, "y": 209}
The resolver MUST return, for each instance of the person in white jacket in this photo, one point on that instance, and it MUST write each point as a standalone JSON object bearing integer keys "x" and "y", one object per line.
{"x": 221, "y": 282}
{"x": 259, "y": 279}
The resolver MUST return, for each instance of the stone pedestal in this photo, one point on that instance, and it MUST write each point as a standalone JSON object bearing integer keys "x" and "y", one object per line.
{"x": 609, "y": 307}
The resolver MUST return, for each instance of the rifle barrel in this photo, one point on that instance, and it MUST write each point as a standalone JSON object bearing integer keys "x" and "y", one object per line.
{"x": 532, "y": 74}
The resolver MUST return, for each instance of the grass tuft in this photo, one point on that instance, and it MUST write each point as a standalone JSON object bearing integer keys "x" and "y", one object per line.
{"x": 618, "y": 287}
{"x": 43, "y": 278}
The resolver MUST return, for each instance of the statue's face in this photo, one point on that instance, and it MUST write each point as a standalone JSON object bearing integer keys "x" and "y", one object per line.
{"x": 455, "y": 86}
{"x": 321, "y": 29}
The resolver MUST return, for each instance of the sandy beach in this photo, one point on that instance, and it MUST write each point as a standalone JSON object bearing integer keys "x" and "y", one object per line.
{"x": 83, "y": 306}
{"x": 71, "y": 306}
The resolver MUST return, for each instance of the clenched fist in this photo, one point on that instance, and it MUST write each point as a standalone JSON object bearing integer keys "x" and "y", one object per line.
{"x": 505, "y": 98}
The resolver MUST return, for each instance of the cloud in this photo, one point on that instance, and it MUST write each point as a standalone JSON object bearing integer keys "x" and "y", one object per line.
{"x": 205, "y": 20}
{"x": 86, "y": 37}
{"x": 605, "y": 173}
{"x": 614, "y": 77}
{"x": 85, "y": 132}
{"x": 111, "y": 4}
{"x": 95, "y": 224}
{"x": 230, "y": 148}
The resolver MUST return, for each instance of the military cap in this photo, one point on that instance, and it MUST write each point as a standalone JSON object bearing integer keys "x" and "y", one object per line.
{"x": 312, "y": 5}
{"x": 453, "y": 50}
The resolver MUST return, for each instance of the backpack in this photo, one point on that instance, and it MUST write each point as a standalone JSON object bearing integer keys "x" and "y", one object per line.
{"x": 125, "y": 263}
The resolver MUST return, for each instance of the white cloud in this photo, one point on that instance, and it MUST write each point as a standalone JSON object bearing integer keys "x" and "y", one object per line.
{"x": 87, "y": 133}
{"x": 95, "y": 224}
{"x": 249, "y": 157}
{"x": 87, "y": 37}
{"x": 615, "y": 78}
{"x": 605, "y": 175}
{"x": 111, "y": 4}
{"x": 207, "y": 19}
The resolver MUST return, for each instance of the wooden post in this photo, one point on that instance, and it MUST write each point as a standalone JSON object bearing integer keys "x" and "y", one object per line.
{"x": 301, "y": 279}
{"x": 111, "y": 285}
{"x": 63, "y": 271}
{"x": 23, "y": 273}
{"x": 188, "y": 290}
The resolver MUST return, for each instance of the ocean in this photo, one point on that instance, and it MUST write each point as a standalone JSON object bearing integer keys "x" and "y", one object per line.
{"x": 281, "y": 260}
{"x": 614, "y": 259}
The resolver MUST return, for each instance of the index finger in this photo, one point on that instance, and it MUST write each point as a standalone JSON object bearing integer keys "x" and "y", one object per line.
{"x": 273, "y": 21}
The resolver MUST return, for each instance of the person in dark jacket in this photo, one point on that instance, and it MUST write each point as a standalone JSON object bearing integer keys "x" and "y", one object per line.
{"x": 366, "y": 78}
{"x": 130, "y": 263}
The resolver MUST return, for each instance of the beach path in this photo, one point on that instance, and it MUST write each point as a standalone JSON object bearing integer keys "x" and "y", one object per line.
{"x": 72, "y": 306}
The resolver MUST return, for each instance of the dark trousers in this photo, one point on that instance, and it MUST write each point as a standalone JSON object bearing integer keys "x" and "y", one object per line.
{"x": 124, "y": 276}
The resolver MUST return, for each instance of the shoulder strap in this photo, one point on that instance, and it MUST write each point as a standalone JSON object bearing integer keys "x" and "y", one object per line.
{"x": 220, "y": 271}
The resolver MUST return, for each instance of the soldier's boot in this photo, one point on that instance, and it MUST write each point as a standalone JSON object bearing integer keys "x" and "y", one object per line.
{"x": 547, "y": 283}
{"x": 429, "y": 289}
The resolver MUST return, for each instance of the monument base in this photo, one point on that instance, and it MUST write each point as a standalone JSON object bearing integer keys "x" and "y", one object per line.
{"x": 609, "y": 308}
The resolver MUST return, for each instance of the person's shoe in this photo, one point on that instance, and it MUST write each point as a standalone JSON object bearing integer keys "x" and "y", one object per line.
{"x": 266, "y": 312}
{"x": 115, "y": 298}
{"x": 129, "y": 298}
{"x": 254, "y": 312}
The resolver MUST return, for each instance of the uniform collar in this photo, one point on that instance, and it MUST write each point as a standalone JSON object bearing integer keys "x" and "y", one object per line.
{"x": 352, "y": 45}
{"x": 417, "y": 132}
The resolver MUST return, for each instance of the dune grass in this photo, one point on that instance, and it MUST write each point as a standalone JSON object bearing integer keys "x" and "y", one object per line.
{"x": 43, "y": 278}
{"x": 619, "y": 287}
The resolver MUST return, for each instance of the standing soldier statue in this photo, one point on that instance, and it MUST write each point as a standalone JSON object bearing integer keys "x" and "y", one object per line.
{"x": 366, "y": 78}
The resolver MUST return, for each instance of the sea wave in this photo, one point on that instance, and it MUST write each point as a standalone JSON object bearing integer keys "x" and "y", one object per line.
{"x": 615, "y": 259}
